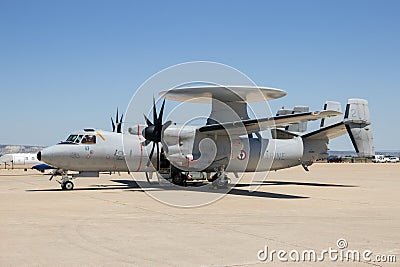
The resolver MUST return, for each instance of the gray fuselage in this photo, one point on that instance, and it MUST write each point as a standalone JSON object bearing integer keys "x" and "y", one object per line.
{"x": 111, "y": 152}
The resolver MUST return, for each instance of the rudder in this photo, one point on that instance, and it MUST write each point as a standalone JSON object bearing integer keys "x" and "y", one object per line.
{"x": 358, "y": 125}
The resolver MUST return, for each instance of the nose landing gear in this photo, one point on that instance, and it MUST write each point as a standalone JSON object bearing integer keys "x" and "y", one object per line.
{"x": 65, "y": 181}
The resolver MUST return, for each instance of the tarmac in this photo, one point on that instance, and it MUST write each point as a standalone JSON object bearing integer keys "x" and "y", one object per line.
{"x": 110, "y": 221}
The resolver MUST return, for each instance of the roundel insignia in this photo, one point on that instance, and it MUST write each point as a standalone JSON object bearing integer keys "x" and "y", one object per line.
{"x": 242, "y": 155}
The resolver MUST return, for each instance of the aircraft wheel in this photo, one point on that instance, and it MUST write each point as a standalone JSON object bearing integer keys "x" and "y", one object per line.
{"x": 68, "y": 185}
{"x": 221, "y": 183}
{"x": 178, "y": 179}
{"x": 224, "y": 184}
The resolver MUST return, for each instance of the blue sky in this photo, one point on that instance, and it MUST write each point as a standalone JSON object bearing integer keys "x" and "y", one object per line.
{"x": 66, "y": 65}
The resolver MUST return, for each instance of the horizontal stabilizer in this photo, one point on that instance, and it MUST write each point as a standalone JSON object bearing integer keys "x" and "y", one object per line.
{"x": 328, "y": 132}
{"x": 255, "y": 125}
{"x": 282, "y": 134}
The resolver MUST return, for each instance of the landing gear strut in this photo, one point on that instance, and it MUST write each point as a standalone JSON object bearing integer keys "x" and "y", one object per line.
{"x": 220, "y": 180}
{"x": 66, "y": 181}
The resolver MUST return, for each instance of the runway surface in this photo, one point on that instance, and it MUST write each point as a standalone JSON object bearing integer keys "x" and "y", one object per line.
{"x": 109, "y": 221}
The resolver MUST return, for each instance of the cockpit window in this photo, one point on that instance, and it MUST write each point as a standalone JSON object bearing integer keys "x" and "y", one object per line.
{"x": 78, "y": 139}
{"x": 71, "y": 138}
{"x": 89, "y": 139}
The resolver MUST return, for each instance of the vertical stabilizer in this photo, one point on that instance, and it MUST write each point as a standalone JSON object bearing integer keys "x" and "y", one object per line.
{"x": 331, "y": 105}
{"x": 296, "y": 127}
{"x": 284, "y": 111}
{"x": 302, "y": 126}
{"x": 358, "y": 125}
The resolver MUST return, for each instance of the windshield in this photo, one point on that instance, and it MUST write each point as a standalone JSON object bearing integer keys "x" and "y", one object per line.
{"x": 71, "y": 138}
{"x": 78, "y": 139}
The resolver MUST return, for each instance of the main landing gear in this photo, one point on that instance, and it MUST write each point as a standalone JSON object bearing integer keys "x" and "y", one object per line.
{"x": 179, "y": 178}
{"x": 220, "y": 180}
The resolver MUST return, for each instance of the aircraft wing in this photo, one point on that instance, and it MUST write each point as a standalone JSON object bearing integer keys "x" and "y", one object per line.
{"x": 255, "y": 125}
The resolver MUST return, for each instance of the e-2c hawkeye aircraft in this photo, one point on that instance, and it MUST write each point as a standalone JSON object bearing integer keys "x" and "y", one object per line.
{"x": 230, "y": 142}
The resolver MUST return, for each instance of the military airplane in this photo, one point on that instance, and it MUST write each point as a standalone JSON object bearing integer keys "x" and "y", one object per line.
{"x": 229, "y": 142}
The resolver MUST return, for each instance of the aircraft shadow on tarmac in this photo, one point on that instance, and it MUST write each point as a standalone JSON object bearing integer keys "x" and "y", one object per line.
{"x": 297, "y": 183}
{"x": 123, "y": 184}
{"x": 233, "y": 191}
{"x": 130, "y": 184}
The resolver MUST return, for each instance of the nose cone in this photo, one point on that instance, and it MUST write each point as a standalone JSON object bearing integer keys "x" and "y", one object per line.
{"x": 46, "y": 155}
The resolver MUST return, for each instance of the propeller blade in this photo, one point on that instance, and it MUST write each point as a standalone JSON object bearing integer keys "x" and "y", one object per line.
{"x": 151, "y": 155}
{"x": 116, "y": 117}
{"x": 154, "y": 112}
{"x": 165, "y": 126}
{"x": 149, "y": 177}
{"x": 113, "y": 125}
{"x": 148, "y": 122}
{"x": 119, "y": 125}
{"x": 161, "y": 113}
{"x": 158, "y": 157}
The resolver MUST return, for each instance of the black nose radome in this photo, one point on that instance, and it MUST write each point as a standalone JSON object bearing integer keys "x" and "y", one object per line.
{"x": 39, "y": 156}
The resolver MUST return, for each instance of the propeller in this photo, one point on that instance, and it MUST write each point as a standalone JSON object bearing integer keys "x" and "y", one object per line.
{"x": 117, "y": 126}
{"x": 153, "y": 132}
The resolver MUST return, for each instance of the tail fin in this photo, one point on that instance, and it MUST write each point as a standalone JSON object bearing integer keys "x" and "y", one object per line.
{"x": 297, "y": 127}
{"x": 358, "y": 125}
{"x": 302, "y": 126}
{"x": 331, "y": 105}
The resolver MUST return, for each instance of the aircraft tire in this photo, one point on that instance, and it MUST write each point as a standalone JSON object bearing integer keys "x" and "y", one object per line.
{"x": 178, "y": 179}
{"x": 221, "y": 184}
{"x": 68, "y": 185}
